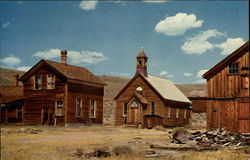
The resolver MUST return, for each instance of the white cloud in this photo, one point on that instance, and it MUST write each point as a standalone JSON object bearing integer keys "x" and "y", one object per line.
{"x": 162, "y": 73}
{"x": 201, "y": 72}
{"x": 230, "y": 45}
{"x": 188, "y": 74}
{"x": 77, "y": 57}
{"x": 52, "y": 53}
{"x": 88, "y": 5}
{"x": 199, "y": 43}
{"x": 11, "y": 60}
{"x": 5, "y": 25}
{"x": 178, "y": 24}
{"x": 24, "y": 68}
{"x": 165, "y": 74}
{"x": 156, "y": 1}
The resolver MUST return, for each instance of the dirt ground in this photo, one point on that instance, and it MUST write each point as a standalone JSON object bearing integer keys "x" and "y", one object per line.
{"x": 62, "y": 143}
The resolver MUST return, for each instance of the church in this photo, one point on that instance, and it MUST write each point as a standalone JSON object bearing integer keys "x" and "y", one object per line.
{"x": 147, "y": 101}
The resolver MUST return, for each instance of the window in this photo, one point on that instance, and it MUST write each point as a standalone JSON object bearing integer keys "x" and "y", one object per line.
{"x": 169, "y": 112}
{"x": 134, "y": 104}
{"x": 38, "y": 82}
{"x": 92, "y": 108}
{"x": 152, "y": 108}
{"x": 233, "y": 68}
{"x": 59, "y": 108}
{"x": 125, "y": 109}
{"x": 177, "y": 113}
{"x": 19, "y": 113}
{"x": 185, "y": 114}
{"x": 50, "y": 81}
{"x": 78, "y": 107}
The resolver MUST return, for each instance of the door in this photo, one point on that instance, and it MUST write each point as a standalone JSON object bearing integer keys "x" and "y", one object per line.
{"x": 133, "y": 113}
{"x": 244, "y": 116}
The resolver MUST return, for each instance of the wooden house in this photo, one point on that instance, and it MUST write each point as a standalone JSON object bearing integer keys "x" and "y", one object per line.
{"x": 148, "y": 100}
{"x": 11, "y": 99}
{"x": 228, "y": 104}
{"x": 59, "y": 93}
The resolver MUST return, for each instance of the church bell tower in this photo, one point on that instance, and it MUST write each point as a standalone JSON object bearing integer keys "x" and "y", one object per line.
{"x": 141, "y": 63}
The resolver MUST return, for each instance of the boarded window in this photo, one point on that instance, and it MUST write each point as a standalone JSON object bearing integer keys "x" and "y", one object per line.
{"x": 50, "y": 81}
{"x": 152, "y": 108}
{"x": 59, "y": 108}
{"x": 134, "y": 104}
{"x": 233, "y": 68}
{"x": 125, "y": 109}
{"x": 169, "y": 112}
{"x": 38, "y": 82}
{"x": 78, "y": 107}
{"x": 185, "y": 114}
{"x": 92, "y": 108}
{"x": 245, "y": 82}
{"x": 177, "y": 113}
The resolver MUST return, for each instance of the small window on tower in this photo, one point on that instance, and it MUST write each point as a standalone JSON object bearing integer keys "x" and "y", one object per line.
{"x": 140, "y": 62}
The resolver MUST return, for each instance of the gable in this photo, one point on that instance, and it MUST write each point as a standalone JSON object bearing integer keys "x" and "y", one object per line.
{"x": 39, "y": 66}
{"x": 244, "y": 49}
{"x": 137, "y": 81}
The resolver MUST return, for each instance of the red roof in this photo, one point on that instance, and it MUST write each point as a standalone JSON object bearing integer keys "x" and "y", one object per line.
{"x": 69, "y": 71}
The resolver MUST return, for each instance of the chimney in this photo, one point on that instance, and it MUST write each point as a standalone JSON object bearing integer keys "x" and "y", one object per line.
{"x": 15, "y": 79}
{"x": 64, "y": 56}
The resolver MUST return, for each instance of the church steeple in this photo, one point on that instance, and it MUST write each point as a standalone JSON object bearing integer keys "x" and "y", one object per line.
{"x": 141, "y": 63}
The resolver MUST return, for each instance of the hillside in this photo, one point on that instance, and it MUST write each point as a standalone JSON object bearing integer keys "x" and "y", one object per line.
{"x": 7, "y": 76}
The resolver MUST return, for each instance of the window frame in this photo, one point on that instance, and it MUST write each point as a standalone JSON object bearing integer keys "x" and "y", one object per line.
{"x": 38, "y": 82}
{"x": 134, "y": 102}
{"x": 177, "y": 113}
{"x": 78, "y": 107}
{"x": 169, "y": 112}
{"x": 152, "y": 108}
{"x": 61, "y": 106}
{"x": 53, "y": 83}
{"x": 92, "y": 108}
{"x": 185, "y": 114}
{"x": 125, "y": 105}
{"x": 233, "y": 70}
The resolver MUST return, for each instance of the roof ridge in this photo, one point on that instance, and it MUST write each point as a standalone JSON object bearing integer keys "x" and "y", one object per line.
{"x": 158, "y": 76}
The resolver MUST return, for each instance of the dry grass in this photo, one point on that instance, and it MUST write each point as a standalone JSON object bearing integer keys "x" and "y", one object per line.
{"x": 60, "y": 143}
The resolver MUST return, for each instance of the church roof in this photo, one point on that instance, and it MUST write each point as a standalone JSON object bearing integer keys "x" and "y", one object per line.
{"x": 167, "y": 89}
{"x": 164, "y": 87}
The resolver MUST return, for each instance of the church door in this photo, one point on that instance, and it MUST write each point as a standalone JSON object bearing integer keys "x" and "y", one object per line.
{"x": 133, "y": 113}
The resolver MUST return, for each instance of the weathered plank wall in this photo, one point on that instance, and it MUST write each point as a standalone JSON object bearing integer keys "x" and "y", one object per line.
{"x": 35, "y": 100}
{"x": 160, "y": 105}
{"x": 86, "y": 93}
{"x": 199, "y": 104}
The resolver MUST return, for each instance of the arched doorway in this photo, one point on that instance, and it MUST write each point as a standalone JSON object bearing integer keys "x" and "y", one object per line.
{"x": 134, "y": 112}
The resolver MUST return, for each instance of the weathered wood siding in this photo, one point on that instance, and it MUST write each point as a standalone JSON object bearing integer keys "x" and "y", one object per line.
{"x": 161, "y": 107}
{"x": 35, "y": 100}
{"x": 228, "y": 85}
{"x": 147, "y": 93}
{"x": 199, "y": 105}
{"x": 225, "y": 92}
{"x": 86, "y": 93}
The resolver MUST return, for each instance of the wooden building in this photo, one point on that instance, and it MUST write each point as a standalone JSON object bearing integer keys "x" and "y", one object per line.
{"x": 228, "y": 104}
{"x": 59, "y": 93}
{"x": 148, "y": 100}
{"x": 11, "y": 100}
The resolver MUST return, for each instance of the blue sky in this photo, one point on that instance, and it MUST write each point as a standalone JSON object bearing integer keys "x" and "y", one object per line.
{"x": 182, "y": 39}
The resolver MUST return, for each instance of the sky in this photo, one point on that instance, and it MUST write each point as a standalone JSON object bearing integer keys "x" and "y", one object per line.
{"x": 183, "y": 39}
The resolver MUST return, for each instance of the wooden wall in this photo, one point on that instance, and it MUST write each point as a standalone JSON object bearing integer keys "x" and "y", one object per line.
{"x": 228, "y": 85}
{"x": 147, "y": 93}
{"x": 161, "y": 107}
{"x": 86, "y": 93}
{"x": 35, "y": 100}
{"x": 225, "y": 92}
{"x": 199, "y": 104}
